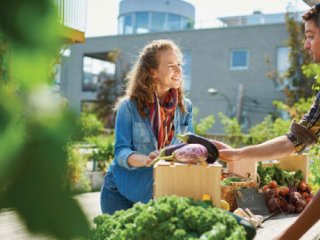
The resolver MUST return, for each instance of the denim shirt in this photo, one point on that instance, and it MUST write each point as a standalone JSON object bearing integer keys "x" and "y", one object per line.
{"x": 134, "y": 134}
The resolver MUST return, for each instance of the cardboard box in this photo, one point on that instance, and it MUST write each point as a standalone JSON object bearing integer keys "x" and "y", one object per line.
{"x": 291, "y": 163}
{"x": 187, "y": 180}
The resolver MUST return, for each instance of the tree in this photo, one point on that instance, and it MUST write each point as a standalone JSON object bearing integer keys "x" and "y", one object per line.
{"x": 297, "y": 82}
{"x": 111, "y": 88}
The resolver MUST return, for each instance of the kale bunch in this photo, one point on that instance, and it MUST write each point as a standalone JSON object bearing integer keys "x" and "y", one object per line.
{"x": 171, "y": 218}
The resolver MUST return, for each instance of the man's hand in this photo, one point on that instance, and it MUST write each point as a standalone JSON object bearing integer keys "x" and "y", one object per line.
{"x": 220, "y": 145}
{"x": 227, "y": 153}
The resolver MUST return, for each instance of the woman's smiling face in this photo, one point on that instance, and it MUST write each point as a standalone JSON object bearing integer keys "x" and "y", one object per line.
{"x": 169, "y": 72}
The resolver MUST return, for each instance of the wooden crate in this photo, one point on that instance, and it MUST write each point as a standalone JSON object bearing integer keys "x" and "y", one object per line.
{"x": 187, "y": 180}
{"x": 291, "y": 163}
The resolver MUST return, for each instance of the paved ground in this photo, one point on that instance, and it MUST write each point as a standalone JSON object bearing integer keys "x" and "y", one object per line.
{"x": 11, "y": 227}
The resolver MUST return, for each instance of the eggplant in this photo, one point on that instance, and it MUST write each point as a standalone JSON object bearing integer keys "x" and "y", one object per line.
{"x": 213, "y": 152}
{"x": 190, "y": 154}
{"x": 167, "y": 151}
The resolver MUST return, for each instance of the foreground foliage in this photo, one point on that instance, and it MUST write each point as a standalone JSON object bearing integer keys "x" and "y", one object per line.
{"x": 35, "y": 125}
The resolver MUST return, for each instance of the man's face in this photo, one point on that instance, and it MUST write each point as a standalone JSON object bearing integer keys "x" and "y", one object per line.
{"x": 312, "y": 42}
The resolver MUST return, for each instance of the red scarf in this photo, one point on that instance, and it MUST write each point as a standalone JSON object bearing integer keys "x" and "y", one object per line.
{"x": 162, "y": 117}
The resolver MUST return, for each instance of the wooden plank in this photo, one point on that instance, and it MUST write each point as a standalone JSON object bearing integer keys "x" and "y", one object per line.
{"x": 187, "y": 180}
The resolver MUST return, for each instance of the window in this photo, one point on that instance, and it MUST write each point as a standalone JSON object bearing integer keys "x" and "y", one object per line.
{"x": 142, "y": 20}
{"x": 239, "y": 59}
{"x": 174, "y": 22}
{"x": 187, "y": 70}
{"x": 95, "y": 71}
{"x": 157, "y": 22}
{"x": 121, "y": 25}
{"x": 128, "y": 25}
{"x": 186, "y": 23}
{"x": 282, "y": 60}
{"x": 282, "y": 67}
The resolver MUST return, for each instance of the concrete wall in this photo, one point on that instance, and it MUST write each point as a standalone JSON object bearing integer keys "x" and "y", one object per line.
{"x": 210, "y": 49}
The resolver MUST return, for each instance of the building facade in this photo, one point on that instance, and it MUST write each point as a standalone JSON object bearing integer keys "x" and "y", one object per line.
{"x": 221, "y": 58}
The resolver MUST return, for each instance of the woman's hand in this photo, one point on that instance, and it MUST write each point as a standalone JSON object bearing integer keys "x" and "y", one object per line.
{"x": 154, "y": 154}
{"x": 140, "y": 160}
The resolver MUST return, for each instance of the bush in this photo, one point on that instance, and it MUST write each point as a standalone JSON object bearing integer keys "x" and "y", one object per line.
{"x": 204, "y": 125}
{"x": 77, "y": 181}
{"x": 90, "y": 125}
{"x": 268, "y": 129}
{"x": 104, "y": 152}
{"x": 314, "y": 167}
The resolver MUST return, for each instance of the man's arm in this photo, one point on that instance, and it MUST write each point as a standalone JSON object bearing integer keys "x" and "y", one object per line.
{"x": 309, "y": 216}
{"x": 272, "y": 149}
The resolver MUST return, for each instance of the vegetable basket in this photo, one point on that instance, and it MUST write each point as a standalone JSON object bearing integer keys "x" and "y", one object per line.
{"x": 228, "y": 191}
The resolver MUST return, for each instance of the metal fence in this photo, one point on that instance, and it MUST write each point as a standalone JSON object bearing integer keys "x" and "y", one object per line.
{"x": 72, "y": 13}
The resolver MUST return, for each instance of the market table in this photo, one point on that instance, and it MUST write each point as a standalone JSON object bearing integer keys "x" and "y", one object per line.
{"x": 277, "y": 224}
{"x": 12, "y": 228}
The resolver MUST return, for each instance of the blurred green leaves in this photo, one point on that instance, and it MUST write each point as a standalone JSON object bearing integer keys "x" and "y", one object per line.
{"x": 35, "y": 125}
{"x": 12, "y": 130}
{"x": 29, "y": 23}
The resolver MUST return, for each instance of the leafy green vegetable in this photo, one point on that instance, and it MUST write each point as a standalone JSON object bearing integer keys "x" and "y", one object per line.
{"x": 282, "y": 177}
{"x": 228, "y": 181}
{"x": 173, "y": 218}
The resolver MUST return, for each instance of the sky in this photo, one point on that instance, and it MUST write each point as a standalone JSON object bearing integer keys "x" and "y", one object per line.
{"x": 102, "y": 14}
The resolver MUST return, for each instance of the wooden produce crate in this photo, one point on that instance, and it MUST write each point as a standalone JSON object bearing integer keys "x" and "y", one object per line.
{"x": 291, "y": 163}
{"x": 187, "y": 180}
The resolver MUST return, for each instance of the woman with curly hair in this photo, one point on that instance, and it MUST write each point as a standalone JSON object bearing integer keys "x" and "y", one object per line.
{"x": 150, "y": 115}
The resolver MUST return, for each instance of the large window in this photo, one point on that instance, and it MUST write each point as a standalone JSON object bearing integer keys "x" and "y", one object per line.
{"x": 157, "y": 22}
{"x": 142, "y": 20}
{"x": 239, "y": 59}
{"x": 174, "y": 22}
{"x": 282, "y": 60}
{"x": 186, "y": 23}
{"x": 95, "y": 71}
{"x": 187, "y": 70}
{"x": 283, "y": 65}
{"x": 128, "y": 24}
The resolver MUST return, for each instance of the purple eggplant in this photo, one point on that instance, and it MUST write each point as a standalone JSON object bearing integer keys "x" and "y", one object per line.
{"x": 213, "y": 152}
{"x": 190, "y": 153}
{"x": 167, "y": 151}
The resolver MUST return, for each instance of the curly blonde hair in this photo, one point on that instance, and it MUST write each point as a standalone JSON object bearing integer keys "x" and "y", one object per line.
{"x": 140, "y": 85}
